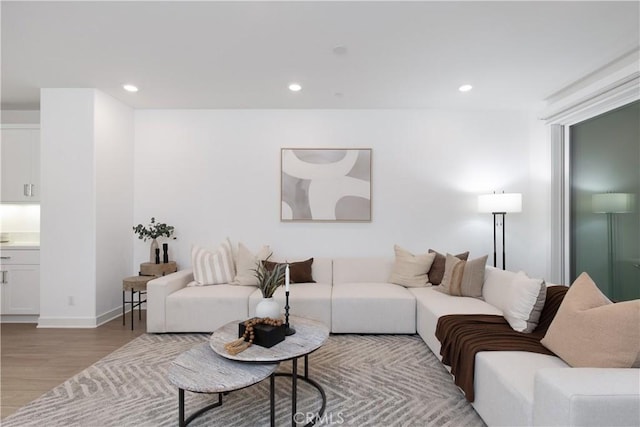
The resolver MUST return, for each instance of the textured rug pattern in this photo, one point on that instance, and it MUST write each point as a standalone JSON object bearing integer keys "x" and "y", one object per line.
{"x": 370, "y": 380}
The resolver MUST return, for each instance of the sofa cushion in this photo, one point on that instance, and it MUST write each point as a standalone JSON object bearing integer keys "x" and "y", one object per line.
{"x": 436, "y": 272}
{"x": 363, "y": 270}
{"x": 431, "y": 304}
{"x": 246, "y": 264}
{"x": 520, "y": 298}
{"x": 591, "y": 331}
{"x": 310, "y": 300}
{"x": 463, "y": 278}
{"x": 206, "y": 308}
{"x": 299, "y": 271}
{"x": 410, "y": 270}
{"x": 213, "y": 268}
{"x": 504, "y": 385}
{"x": 382, "y": 308}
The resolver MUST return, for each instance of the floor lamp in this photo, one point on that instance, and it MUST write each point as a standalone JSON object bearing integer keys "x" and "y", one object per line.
{"x": 499, "y": 205}
{"x": 612, "y": 204}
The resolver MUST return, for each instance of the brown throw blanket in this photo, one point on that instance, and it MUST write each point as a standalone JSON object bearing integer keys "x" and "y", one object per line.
{"x": 464, "y": 335}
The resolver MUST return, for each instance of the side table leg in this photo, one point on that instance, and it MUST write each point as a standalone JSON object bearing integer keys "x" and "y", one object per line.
{"x": 294, "y": 391}
{"x": 123, "y": 294}
{"x": 181, "y": 422}
{"x": 272, "y": 399}
{"x": 139, "y": 306}
{"x": 132, "y": 308}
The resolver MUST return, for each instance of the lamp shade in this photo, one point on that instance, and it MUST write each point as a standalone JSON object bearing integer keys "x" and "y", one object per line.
{"x": 612, "y": 203}
{"x": 500, "y": 203}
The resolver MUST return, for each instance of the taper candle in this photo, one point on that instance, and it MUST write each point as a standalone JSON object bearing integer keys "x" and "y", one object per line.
{"x": 286, "y": 278}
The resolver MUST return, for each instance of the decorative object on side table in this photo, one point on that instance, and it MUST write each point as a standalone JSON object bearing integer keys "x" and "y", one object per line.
{"x": 288, "y": 329}
{"x": 152, "y": 231}
{"x": 268, "y": 282}
{"x": 165, "y": 249}
{"x": 157, "y": 255}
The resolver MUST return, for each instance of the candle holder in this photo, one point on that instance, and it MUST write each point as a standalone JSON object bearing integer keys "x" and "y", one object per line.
{"x": 288, "y": 330}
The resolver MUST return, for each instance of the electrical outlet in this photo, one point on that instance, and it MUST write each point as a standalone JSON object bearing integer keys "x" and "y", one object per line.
{"x": 71, "y": 301}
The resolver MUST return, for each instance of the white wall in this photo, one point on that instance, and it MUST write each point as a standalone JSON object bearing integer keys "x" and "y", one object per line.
{"x": 67, "y": 203}
{"x": 86, "y": 206}
{"x": 114, "y": 200}
{"x": 216, "y": 173}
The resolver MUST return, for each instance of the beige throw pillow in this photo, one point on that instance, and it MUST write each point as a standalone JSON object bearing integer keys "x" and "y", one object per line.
{"x": 410, "y": 270}
{"x": 212, "y": 268}
{"x": 246, "y": 264}
{"x": 463, "y": 278}
{"x": 591, "y": 331}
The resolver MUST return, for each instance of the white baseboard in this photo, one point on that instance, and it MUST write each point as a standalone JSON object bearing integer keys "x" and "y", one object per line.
{"x": 67, "y": 322}
{"x": 15, "y": 318}
{"x": 79, "y": 322}
{"x": 110, "y": 315}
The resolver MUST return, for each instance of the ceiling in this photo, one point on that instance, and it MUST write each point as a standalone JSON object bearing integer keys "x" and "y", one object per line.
{"x": 244, "y": 54}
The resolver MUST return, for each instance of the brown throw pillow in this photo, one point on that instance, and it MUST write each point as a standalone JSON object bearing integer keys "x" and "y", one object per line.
{"x": 299, "y": 272}
{"x": 591, "y": 331}
{"x": 436, "y": 273}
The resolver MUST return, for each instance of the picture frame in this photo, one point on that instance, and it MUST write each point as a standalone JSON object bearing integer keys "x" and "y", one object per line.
{"x": 325, "y": 184}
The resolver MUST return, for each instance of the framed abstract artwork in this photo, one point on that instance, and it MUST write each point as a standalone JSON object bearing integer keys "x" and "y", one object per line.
{"x": 325, "y": 184}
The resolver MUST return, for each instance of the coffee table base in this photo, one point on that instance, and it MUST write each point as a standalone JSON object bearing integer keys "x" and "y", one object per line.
{"x": 294, "y": 391}
{"x": 182, "y": 422}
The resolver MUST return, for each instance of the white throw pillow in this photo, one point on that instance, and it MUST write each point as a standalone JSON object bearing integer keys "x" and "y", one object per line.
{"x": 212, "y": 268}
{"x": 520, "y": 297}
{"x": 496, "y": 283}
{"x": 246, "y": 264}
{"x": 410, "y": 270}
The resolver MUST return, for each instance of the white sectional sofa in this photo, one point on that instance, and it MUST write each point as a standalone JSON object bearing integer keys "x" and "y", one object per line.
{"x": 353, "y": 295}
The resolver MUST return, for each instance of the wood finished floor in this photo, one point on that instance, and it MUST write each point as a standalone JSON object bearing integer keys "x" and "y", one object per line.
{"x": 33, "y": 361}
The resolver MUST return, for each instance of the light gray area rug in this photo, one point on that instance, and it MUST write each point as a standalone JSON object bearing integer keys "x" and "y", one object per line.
{"x": 370, "y": 380}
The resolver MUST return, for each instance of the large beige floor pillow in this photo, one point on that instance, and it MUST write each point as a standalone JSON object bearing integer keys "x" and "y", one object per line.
{"x": 591, "y": 331}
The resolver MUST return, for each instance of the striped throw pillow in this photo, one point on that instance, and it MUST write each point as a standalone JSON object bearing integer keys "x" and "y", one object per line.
{"x": 212, "y": 268}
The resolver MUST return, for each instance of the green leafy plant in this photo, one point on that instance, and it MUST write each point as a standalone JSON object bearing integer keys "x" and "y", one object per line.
{"x": 269, "y": 280}
{"x": 153, "y": 230}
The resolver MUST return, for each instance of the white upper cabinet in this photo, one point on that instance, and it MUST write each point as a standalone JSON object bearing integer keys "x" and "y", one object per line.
{"x": 20, "y": 158}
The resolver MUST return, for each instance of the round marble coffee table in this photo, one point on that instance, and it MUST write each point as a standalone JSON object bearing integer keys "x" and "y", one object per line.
{"x": 310, "y": 335}
{"x": 201, "y": 370}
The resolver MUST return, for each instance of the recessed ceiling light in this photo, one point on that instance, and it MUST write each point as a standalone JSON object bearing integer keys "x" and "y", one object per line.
{"x": 465, "y": 88}
{"x": 295, "y": 87}
{"x": 340, "y": 50}
{"x": 130, "y": 88}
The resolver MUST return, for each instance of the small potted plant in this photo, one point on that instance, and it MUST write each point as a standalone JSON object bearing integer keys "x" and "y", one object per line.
{"x": 152, "y": 231}
{"x": 268, "y": 282}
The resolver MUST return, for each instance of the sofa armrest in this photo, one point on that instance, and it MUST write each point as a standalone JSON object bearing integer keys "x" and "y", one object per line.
{"x": 586, "y": 397}
{"x": 157, "y": 292}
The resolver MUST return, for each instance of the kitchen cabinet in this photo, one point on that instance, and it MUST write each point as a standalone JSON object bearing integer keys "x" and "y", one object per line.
{"x": 20, "y": 158}
{"x": 20, "y": 282}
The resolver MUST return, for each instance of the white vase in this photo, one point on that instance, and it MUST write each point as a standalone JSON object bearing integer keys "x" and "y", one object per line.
{"x": 154, "y": 246}
{"x": 268, "y": 307}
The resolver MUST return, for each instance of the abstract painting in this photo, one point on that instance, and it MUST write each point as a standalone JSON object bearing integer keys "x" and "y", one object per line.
{"x": 326, "y": 184}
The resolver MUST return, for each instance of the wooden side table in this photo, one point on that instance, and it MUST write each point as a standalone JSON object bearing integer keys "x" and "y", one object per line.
{"x": 137, "y": 285}
{"x": 153, "y": 269}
